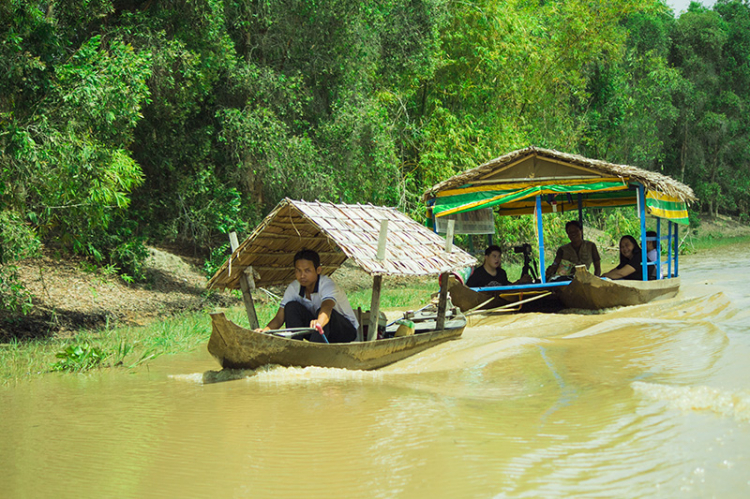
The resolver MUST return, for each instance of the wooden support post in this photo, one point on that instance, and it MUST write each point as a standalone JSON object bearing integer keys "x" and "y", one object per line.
{"x": 382, "y": 239}
{"x": 377, "y": 281}
{"x": 449, "y": 236}
{"x": 372, "y": 332}
{"x": 361, "y": 326}
{"x": 442, "y": 301}
{"x": 247, "y": 284}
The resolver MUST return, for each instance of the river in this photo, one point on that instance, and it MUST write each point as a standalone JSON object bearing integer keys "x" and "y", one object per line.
{"x": 647, "y": 401}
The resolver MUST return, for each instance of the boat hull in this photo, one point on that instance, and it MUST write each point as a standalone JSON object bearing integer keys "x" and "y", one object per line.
{"x": 588, "y": 291}
{"x": 238, "y": 348}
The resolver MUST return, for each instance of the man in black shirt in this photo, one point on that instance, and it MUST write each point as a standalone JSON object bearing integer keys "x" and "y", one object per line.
{"x": 490, "y": 273}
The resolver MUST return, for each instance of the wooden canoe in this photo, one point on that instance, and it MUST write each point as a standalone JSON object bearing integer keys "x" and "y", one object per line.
{"x": 588, "y": 291}
{"x": 238, "y": 348}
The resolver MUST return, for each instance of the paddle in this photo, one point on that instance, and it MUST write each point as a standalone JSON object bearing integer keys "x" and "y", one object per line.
{"x": 291, "y": 332}
{"x": 320, "y": 330}
{"x": 297, "y": 331}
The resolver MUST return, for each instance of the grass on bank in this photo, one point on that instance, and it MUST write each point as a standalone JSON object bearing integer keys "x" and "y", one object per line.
{"x": 129, "y": 347}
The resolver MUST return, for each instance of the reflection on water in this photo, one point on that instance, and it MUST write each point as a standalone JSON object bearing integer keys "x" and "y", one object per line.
{"x": 647, "y": 401}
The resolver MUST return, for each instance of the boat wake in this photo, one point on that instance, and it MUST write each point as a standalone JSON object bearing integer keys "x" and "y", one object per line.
{"x": 273, "y": 374}
{"x": 727, "y": 403}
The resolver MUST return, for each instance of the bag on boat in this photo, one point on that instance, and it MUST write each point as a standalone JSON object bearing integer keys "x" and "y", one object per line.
{"x": 405, "y": 328}
{"x": 566, "y": 267}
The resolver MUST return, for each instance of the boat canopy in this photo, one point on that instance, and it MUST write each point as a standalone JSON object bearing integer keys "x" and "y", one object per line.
{"x": 338, "y": 232}
{"x": 536, "y": 181}
{"x": 565, "y": 182}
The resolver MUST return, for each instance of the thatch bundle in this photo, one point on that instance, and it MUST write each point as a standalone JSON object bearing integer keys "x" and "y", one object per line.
{"x": 337, "y": 232}
{"x": 650, "y": 180}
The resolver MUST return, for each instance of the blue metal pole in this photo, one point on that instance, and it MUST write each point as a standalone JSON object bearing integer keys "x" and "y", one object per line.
{"x": 658, "y": 247}
{"x": 669, "y": 251}
{"x": 431, "y": 203}
{"x": 676, "y": 251}
{"x": 642, "y": 213}
{"x": 541, "y": 237}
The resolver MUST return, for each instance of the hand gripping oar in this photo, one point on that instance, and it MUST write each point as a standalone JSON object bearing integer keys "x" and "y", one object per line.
{"x": 320, "y": 330}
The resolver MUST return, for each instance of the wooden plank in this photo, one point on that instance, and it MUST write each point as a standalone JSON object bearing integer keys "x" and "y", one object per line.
{"x": 372, "y": 333}
{"x": 360, "y": 328}
{"x": 247, "y": 284}
{"x": 442, "y": 301}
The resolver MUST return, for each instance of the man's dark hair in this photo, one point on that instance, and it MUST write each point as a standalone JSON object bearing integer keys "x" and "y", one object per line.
{"x": 573, "y": 222}
{"x": 651, "y": 233}
{"x": 491, "y": 248}
{"x": 309, "y": 255}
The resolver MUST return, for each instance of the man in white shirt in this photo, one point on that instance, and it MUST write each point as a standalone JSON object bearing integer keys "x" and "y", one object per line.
{"x": 314, "y": 299}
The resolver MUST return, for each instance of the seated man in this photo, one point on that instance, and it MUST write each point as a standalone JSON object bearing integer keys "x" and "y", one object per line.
{"x": 314, "y": 299}
{"x": 577, "y": 252}
{"x": 490, "y": 273}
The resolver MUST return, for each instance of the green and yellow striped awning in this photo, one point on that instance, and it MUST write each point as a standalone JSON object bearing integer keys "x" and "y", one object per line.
{"x": 668, "y": 207}
{"x": 518, "y": 198}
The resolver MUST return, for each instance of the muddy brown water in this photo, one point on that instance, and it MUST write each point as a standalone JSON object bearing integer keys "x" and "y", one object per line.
{"x": 647, "y": 401}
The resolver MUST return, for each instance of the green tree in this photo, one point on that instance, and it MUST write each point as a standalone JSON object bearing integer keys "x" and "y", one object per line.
{"x": 712, "y": 131}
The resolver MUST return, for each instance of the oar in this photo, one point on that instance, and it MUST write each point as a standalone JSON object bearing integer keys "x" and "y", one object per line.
{"x": 479, "y": 306}
{"x": 498, "y": 309}
{"x": 291, "y": 333}
{"x": 290, "y": 329}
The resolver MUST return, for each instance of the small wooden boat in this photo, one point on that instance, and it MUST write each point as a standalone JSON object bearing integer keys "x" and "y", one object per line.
{"x": 238, "y": 348}
{"x": 380, "y": 240}
{"x": 588, "y": 291}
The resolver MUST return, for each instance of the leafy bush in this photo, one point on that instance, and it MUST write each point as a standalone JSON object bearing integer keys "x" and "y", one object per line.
{"x": 14, "y": 297}
{"x": 17, "y": 241}
{"x": 215, "y": 260}
{"x": 126, "y": 249}
{"x": 79, "y": 357}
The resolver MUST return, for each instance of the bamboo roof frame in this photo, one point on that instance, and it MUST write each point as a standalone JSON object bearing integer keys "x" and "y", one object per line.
{"x": 337, "y": 232}
{"x": 650, "y": 180}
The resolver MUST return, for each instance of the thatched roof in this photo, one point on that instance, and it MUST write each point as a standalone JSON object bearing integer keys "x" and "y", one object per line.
{"x": 337, "y": 232}
{"x": 534, "y": 165}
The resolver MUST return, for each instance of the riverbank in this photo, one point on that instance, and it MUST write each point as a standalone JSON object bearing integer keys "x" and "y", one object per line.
{"x": 78, "y": 305}
{"x": 70, "y": 295}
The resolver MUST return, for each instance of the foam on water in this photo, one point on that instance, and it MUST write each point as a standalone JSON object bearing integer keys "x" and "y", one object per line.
{"x": 728, "y": 403}
{"x": 278, "y": 374}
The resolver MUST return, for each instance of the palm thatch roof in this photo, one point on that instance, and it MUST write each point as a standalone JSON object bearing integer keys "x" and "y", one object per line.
{"x": 337, "y": 232}
{"x": 538, "y": 166}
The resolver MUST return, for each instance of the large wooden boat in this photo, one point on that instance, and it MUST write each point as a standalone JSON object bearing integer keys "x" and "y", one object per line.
{"x": 236, "y": 347}
{"x": 379, "y": 240}
{"x": 585, "y": 291}
{"x": 588, "y": 291}
{"x": 536, "y": 181}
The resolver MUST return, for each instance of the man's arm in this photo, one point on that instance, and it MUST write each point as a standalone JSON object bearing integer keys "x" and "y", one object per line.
{"x": 275, "y": 323}
{"x": 597, "y": 261}
{"x": 325, "y": 313}
{"x": 553, "y": 268}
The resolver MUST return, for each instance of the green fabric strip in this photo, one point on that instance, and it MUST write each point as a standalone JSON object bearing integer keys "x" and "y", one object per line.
{"x": 484, "y": 199}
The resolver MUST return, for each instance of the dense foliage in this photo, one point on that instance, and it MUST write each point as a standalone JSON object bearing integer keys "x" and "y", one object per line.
{"x": 123, "y": 121}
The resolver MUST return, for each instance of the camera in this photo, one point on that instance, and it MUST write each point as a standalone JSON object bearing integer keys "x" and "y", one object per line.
{"x": 524, "y": 248}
